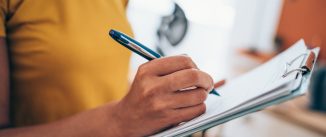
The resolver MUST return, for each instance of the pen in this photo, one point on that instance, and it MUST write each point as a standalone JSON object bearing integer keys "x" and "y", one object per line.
{"x": 139, "y": 48}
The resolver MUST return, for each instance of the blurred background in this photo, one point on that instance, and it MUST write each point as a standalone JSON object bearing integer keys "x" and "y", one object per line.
{"x": 229, "y": 37}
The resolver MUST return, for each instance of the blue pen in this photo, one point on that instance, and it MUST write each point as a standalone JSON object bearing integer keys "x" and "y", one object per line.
{"x": 138, "y": 48}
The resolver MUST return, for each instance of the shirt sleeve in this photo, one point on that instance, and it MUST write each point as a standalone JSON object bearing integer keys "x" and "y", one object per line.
{"x": 125, "y": 3}
{"x": 3, "y": 12}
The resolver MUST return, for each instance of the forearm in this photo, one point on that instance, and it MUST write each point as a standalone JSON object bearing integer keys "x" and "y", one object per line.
{"x": 97, "y": 122}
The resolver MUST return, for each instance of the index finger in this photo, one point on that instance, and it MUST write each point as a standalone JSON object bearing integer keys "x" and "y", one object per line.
{"x": 168, "y": 65}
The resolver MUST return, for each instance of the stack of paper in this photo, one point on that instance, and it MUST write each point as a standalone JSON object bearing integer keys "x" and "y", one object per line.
{"x": 249, "y": 92}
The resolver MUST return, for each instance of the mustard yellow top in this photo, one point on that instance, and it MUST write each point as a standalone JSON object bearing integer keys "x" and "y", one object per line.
{"x": 62, "y": 60}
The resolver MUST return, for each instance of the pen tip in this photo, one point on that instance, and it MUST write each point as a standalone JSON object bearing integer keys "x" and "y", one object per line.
{"x": 214, "y": 92}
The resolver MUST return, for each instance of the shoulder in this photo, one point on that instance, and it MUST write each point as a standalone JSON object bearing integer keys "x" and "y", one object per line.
{"x": 125, "y": 2}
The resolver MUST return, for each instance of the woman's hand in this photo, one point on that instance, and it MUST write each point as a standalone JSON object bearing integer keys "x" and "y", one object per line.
{"x": 155, "y": 100}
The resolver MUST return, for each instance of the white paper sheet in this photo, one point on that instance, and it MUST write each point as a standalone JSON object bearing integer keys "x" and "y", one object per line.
{"x": 253, "y": 87}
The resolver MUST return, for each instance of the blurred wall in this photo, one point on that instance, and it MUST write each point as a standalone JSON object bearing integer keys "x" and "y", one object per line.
{"x": 256, "y": 23}
{"x": 304, "y": 19}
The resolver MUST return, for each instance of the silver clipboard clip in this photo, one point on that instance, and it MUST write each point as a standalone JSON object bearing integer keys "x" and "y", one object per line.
{"x": 305, "y": 68}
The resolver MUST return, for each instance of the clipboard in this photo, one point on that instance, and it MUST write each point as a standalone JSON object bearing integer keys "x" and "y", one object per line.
{"x": 304, "y": 70}
{"x": 302, "y": 74}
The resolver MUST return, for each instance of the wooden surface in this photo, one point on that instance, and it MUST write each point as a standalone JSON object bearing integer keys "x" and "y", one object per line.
{"x": 297, "y": 111}
{"x": 259, "y": 124}
{"x": 294, "y": 111}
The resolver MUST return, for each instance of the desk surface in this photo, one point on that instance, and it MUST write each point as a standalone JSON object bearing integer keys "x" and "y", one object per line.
{"x": 296, "y": 111}
{"x": 260, "y": 124}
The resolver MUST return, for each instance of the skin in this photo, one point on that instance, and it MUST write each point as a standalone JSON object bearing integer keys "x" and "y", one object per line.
{"x": 153, "y": 103}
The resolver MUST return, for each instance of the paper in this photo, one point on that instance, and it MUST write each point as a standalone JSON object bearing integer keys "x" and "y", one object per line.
{"x": 262, "y": 84}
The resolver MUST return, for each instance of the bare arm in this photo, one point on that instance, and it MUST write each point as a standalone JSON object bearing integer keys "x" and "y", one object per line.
{"x": 153, "y": 103}
{"x": 4, "y": 84}
{"x": 97, "y": 122}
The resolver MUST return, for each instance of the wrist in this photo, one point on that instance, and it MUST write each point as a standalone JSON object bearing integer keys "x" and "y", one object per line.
{"x": 100, "y": 122}
{"x": 114, "y": 121}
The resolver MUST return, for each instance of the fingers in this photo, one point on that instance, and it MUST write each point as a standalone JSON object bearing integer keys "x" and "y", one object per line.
{"x": 188, "y": 78}
{"x": 186, "y": 114}
{"x": 168, "y": 65}
{"x": 183, "y": 99}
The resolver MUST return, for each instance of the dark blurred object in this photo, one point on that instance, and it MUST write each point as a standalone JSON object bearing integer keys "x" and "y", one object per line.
{"x": 318, "y": 90}
{"x": 173, "y": 28}
{"x": 303, "y": 19}
{"x": 278, "y": 42}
